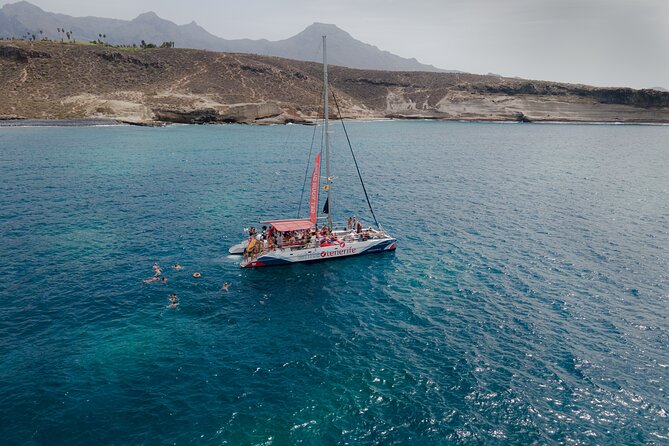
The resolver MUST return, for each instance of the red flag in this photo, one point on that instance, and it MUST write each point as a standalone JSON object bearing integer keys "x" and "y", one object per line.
{"x": 313, "y": 198}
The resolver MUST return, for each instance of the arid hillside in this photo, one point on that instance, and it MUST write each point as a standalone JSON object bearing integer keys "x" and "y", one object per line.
{"x": 59, "y": 81}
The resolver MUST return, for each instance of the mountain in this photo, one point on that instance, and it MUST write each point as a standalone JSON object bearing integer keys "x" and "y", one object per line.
{"x": 18, "y": 18}
{"x": 50, "y": 80}
{"x": 344, "y": 50}
{"x": 10, "y": 27}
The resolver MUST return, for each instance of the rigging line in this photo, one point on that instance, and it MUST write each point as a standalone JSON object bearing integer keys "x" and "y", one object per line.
{"x": 306, "y": 171}
{"x": 355, "y": 160}
{"x": 320, "y": 171}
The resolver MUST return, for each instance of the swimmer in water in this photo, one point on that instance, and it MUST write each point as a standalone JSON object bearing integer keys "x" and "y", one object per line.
{"x": 226, "y": 285}
{"x": 164, "y": 280}
{"x": 153, "y": 279}
{"x": 174, "y": 301}
{"x": 157, "y": 270}
{"x": 177, "y": 266}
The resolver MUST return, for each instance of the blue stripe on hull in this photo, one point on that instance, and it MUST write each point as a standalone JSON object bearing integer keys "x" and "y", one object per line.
{"x": 379, "y": 248}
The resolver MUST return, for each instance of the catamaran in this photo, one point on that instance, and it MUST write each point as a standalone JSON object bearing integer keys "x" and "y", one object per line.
{"x": 287, "y": 241}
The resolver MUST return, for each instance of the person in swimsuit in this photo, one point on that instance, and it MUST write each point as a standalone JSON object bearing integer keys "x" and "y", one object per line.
{"x": 174, "y": 301}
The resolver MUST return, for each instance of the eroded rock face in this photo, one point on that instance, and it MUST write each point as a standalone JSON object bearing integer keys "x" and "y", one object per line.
{"x": 67, "y": 81}
{"x": 620, "y": 96}
{"x": 20, "y": 54}
{"x": 202, "y": 116}
{"x": 247, "y": 113}
{"x": 242, "y": 113}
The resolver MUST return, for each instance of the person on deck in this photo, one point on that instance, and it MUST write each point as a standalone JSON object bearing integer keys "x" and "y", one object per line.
{"x": 249, "y": 247}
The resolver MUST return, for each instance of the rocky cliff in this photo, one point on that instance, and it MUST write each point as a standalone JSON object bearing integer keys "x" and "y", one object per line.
{"x": 60, "y": 81}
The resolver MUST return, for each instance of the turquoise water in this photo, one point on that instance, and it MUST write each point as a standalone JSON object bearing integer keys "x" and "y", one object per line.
{"x": 527, "y": 301}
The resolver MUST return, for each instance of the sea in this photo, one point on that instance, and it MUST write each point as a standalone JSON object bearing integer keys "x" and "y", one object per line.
{"x": 527, "y": 301}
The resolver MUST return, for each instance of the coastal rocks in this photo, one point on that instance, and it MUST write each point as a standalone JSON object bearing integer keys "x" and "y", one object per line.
{"x": 248, "y": 113}
{"x": 120, "y": 108}
{"x": 284, "y": 118}
{"x": 201, "y": 116}
{"x": 241, "y": 113}
{"x": 627, "y": 96}
{"x": 619, "y": 96}
{"x": 48, "y": 80}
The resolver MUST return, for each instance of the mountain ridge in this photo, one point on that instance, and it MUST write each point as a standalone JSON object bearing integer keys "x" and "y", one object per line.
{"x": 24, "y": 17}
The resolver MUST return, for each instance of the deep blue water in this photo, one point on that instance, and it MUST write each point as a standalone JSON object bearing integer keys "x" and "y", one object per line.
{"x": 528, "y": 300}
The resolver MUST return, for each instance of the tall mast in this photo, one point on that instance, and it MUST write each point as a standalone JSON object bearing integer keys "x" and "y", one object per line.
{"x": 327, "y": 134}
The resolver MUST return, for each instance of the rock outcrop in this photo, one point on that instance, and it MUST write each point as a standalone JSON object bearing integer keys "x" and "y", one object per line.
{"x": 12, "y": 52}
{"x": 46, "y": 80}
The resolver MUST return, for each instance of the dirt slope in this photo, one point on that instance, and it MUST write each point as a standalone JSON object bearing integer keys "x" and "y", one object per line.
{"x": 60, "y": 81}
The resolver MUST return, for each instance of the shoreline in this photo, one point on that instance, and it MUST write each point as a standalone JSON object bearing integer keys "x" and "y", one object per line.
{"x": 29, "y": 122}
{"x": 109, "y": 122}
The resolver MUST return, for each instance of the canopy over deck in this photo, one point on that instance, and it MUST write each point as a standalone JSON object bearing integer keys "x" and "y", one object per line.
{"x": 290, "y": 225}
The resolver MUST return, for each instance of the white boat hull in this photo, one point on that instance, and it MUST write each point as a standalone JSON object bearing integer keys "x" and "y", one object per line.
{"x": 239, "y": 247}
{"x": 287, "y": 256}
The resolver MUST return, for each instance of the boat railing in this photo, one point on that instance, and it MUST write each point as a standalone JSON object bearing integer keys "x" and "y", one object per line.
{"x": 347, "y": 236}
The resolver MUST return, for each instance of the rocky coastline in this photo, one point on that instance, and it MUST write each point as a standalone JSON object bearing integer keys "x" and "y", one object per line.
{"x": 53, "y": 81}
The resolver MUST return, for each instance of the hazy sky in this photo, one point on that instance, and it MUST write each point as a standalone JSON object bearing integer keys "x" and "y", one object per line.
{"x": 598, "y": 42}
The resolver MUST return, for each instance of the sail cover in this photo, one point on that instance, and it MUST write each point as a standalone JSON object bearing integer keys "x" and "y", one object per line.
{"x": 313, "y": 197}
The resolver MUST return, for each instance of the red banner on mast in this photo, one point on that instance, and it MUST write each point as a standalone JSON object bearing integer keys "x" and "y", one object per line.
{"x": 313, "y": 196}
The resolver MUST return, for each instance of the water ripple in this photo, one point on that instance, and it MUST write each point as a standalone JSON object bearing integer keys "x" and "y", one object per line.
{"x": 527, "y": 302}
